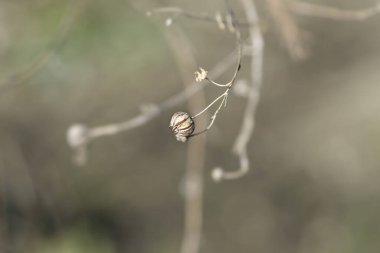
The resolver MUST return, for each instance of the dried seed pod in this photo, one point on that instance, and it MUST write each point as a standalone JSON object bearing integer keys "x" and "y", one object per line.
{"x": 182, "y": 125}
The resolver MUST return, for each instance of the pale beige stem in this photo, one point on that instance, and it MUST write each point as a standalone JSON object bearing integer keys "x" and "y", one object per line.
{"x": 314, "y": 10}
{"x": 241, "y": 143}
{"x": 196, "y": 150}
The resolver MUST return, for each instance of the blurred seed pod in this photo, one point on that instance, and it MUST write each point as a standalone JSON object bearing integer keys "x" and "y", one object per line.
{"x": 182, "y": 125}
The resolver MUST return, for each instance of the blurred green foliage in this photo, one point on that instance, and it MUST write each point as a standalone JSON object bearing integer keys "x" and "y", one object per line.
{"x": 78, "y": 239}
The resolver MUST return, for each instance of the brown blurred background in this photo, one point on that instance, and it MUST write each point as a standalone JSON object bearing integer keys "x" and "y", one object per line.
{"x": 314, "y": 184}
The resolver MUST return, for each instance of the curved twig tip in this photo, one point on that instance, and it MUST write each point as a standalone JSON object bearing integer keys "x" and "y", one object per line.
{"x": 217, "y": 174}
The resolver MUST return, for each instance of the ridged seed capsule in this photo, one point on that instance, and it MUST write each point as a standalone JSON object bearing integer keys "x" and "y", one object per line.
{"x": 182, "y": 125}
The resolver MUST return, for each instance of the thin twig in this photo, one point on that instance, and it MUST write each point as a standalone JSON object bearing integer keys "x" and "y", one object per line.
{"x": 292, "y": 37}
{"x": 78, "y": 135}
{"x": 211, "y": 104}
{"x": 176, "y": 12}
{"x": 314, "y": 10}
{"x": 238, "y": 66}
{"x": 240, "y": 146}
{"x": 203, "y": 75}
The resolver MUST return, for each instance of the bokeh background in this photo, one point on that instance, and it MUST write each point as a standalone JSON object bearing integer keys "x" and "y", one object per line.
{"x": 314, "y": 184}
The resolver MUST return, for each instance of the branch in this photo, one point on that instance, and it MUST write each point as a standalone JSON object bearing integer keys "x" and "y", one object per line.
{"x": 79, "y": 135}
{"x": 203, "y": 75}
{"x": 240, "y": 146}
{"x": 217, "y": 18}
{"x": 314, "y": 10}
{"x": 293, "y": 38}
{"x": 193, "y": 193}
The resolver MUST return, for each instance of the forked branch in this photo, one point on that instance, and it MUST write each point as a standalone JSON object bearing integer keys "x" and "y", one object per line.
{"x": 241, "y": 143}
{"x": 79, "y": 135}
{"x": 203, "y": 75}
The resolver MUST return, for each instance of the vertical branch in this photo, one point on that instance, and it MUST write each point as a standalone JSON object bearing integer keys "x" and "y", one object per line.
{"x": 196, "y": 150}
{"x": 248, "y": 125}
{"x": 240, "y": 146}
{"x": 293, "y": 37}
{"x": 257, "y": 43}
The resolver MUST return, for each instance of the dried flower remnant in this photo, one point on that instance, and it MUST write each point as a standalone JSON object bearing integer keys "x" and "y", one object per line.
{"x": 182, "y": 125}
{"x": 200, "y": 75}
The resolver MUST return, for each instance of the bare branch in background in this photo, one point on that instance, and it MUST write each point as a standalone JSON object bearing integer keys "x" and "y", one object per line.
{"x": 79, "y": 135}
{"x": 193, "y": 192}
{"x": 240, "y": 146}
{"x": 202, "y": 75}
{"x": 75, "y": 8}
{"x": 294, "y": 39}
{"x": 176, "y": 12}
{"x": 314, "y": 10}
